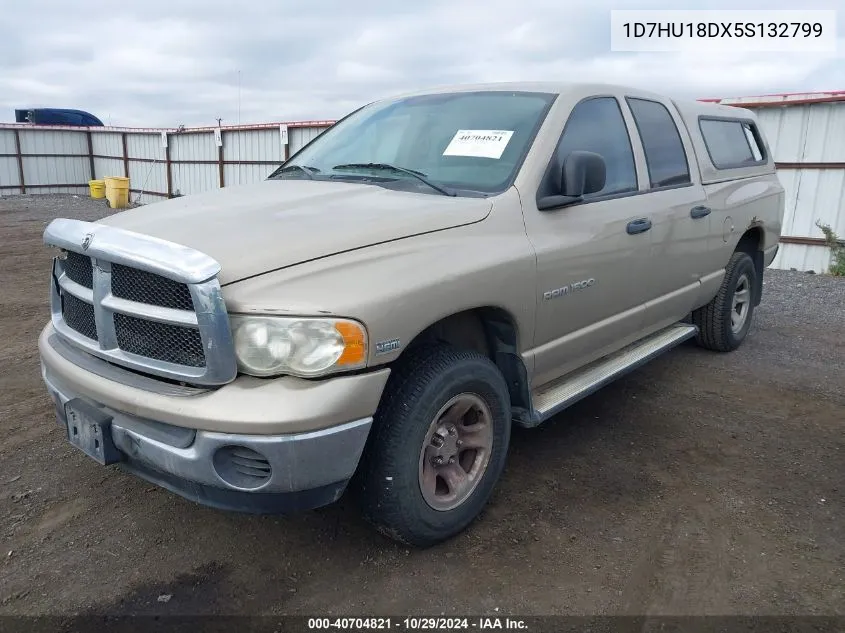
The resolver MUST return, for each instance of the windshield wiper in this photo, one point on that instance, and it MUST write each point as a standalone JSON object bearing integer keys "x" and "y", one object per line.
{"x": 305, "y": 169}
{"x": 403, "y": 170}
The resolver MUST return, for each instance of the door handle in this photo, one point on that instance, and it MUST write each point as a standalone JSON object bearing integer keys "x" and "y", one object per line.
{"x": 699, "y": 212}
{"x": 638, "y": 226}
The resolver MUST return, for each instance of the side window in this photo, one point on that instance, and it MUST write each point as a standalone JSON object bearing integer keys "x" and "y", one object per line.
{"x": 730, "y": 143}
{"x": 596, "y": 125}
{"x": 664, "y": 150}
{"x": 751, "y": 134}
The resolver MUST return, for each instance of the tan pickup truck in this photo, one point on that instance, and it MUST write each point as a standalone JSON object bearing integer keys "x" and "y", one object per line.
{"x": 430, "y": 271}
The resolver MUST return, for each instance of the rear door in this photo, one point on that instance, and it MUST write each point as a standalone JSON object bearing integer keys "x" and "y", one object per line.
{"x": 678, "y": 210}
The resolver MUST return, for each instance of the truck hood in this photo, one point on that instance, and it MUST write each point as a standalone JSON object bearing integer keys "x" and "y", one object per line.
{"x": 254, "y": 229}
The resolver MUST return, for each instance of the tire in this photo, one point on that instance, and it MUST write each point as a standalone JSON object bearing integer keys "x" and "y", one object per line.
{"x": 401, "y": 453}
{"x": 721, "y": 327}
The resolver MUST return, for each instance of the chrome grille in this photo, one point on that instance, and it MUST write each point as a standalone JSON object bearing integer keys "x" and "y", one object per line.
{"x": 129, "y": 298}
{"x": 162, "y": 341}
{"x": 79, "y": 315}
{"x": 78, "y": 268}
{"x": 139, "y": 285}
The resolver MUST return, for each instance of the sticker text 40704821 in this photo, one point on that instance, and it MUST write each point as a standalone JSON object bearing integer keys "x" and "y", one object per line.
{"x": 479, "y": 143}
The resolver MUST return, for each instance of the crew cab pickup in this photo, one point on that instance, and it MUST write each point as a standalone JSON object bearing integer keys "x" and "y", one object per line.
{"x": 429, "y": 272}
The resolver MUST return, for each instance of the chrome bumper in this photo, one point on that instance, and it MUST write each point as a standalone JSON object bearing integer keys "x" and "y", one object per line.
{"x": 312, "y": 468}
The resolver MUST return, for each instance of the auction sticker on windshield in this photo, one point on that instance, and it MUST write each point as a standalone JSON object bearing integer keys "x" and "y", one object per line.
{"x": 479, "y": 143}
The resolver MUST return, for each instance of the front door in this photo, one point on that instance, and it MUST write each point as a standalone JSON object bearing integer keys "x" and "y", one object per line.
{"x": 590, "y": 256}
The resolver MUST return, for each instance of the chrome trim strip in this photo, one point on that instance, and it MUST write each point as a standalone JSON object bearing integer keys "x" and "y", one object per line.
{"x": 77, "y": 290}
{"x": 103, "y": 318}
{"x": 174, "y": 261}
{"x": 211, "y": 317}
{"x": 150, "y": 312}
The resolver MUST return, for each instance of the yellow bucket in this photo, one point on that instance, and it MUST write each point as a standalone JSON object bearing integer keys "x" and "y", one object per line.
{"x": 117, "y": 192}
{"x": 97, "y": 188}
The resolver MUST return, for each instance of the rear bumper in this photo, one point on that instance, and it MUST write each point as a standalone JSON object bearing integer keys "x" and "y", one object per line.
{"x": 247, "y": 472}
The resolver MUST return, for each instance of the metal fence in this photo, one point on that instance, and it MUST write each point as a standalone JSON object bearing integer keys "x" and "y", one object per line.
{"x": 805, "y": 132}
{"x": 160, "y": 163}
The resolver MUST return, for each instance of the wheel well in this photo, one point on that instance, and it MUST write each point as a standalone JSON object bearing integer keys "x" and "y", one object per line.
{"x": 752, "y": 242}
{"x": 492, "y": 332}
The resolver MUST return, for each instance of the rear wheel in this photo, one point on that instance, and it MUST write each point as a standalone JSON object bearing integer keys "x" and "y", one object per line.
{"x": 439, "y": 444}
{"x": 724, "y": 322}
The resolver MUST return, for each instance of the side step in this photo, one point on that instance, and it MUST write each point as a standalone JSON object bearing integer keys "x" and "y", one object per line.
{"x": 554, "y": 397}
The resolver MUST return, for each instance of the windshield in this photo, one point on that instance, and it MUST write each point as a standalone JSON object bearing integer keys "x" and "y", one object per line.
{"x": 455, "y": 143}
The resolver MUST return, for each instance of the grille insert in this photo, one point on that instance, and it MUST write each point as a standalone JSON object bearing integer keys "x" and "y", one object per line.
{"x": 145, "y": 287}
{"x": 79, "y": 315}
{"x": 78, "y": 269}
{"x": 160, "y": 341}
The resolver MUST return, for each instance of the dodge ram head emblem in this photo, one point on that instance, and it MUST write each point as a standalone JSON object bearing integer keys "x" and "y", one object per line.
{"x": 87, "y": 241}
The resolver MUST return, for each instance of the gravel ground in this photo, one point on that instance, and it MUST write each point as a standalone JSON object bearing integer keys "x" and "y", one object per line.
{"x": 702, "y": 483}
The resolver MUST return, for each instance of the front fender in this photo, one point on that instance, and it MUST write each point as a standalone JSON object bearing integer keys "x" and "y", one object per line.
{"x": 399, "y": 288}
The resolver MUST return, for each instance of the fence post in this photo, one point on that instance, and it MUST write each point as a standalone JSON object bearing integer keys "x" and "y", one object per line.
{"x": 168, "y": 172}
{"x": 20, "y": 159}
{"x": 220, "y": 170}
{"x": 91, "y": 155}
{"x": 125, "y": 156}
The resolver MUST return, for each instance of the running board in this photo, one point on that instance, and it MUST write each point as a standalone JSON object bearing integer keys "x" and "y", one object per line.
{"x": 554, "y": 397}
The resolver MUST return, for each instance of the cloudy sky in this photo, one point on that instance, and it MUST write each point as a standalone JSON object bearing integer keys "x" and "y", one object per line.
{"x": 171, "y": 62}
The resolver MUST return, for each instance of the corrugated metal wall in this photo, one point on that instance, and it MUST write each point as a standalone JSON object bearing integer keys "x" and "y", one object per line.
{"x": 107, "y": 144}
{"x": 807, "y": 138}
{"x": 301, "y": 136}
{"x": 258, "y": 145}
{"x": 53, "y": 156}
{"x": 61, "y": 159}
{"x": 9, "y": 175}
{"x": 193, "y": 177}
{"x": 147, "y": 172}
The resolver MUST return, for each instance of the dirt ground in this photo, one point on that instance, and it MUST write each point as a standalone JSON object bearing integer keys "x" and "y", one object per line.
{"x": 701, "y": 484}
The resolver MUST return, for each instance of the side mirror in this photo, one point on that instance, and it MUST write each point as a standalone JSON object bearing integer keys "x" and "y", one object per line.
{"x": 582, "y": 173}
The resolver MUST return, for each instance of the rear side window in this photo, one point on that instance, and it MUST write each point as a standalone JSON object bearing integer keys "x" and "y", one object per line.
{"x": 664, "y": 150}
{"x": 730, "y": 143}
{"x": 596, "y": 125}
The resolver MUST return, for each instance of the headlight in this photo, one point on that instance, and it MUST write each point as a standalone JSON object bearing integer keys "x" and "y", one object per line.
{"x": 272, "y": 346}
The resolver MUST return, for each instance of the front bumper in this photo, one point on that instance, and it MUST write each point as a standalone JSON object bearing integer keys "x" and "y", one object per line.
{"x": 248, "y": 472}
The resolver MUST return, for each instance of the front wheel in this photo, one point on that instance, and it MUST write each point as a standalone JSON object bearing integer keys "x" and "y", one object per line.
{"x": 439, "y": 444}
